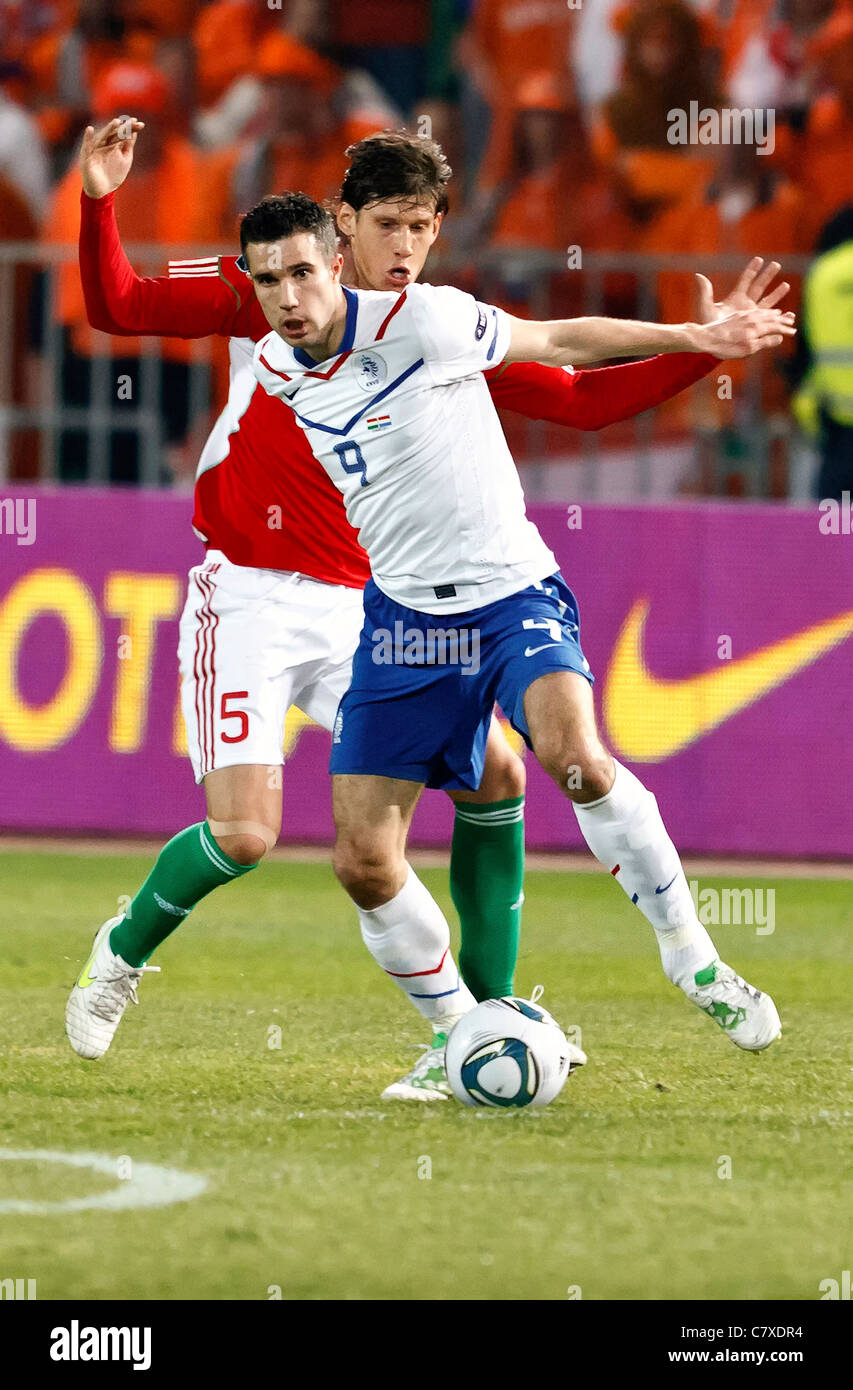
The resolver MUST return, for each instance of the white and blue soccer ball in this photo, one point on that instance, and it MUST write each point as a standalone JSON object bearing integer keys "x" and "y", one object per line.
{"x": 509, "y": 1053}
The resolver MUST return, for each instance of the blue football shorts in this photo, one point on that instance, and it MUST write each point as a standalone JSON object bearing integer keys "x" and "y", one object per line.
{"x": 424, "y": 684}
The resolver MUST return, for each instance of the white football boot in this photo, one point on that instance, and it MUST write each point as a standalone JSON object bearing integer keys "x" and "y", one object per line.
{"x": 747, "y": 1016}
{"x": 427, "y": 1081}
{"x": 105, "y": 987}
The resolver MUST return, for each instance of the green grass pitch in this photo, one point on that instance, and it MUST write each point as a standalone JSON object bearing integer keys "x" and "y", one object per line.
{"x": 317, "y": 1187}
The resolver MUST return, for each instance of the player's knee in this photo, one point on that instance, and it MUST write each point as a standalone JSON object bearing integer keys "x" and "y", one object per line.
{"x": 367, "y": 874}
{"x": 245, "y": 849}
{"x": 594, "y": 777}
{"x": 506, "y": 779}
{"x": 244, "y": 841}
{"x": 582, "y": 769}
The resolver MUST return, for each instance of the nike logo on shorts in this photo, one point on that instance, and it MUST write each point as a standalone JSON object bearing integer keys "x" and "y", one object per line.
{"x": 531, "y": 651}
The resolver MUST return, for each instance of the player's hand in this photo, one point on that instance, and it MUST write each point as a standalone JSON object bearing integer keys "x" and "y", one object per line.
{"x": 744, "y": 332}
{"x": 107, "y": 154}
{"x": 753, "y": 288}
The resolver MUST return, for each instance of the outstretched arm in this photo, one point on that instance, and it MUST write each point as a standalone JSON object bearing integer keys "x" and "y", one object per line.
{"x": 589, "y": 400}
{"x": 561, "y": 342}
{"x": 117, "y": 299}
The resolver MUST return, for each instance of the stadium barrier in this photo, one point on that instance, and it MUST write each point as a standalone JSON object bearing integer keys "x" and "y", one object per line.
{"x": 711, "y": 445}
{"x": 719, "y": 634}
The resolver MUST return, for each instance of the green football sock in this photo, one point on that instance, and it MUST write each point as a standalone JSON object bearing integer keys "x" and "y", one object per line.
{"x": 486, "y": 877}
{"x": 189, "y": 867}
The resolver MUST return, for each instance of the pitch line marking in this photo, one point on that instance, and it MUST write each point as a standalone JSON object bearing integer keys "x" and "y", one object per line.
{"x": 151, "y": 1185}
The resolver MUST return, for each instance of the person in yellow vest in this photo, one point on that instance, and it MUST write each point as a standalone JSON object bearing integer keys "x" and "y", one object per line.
{"x": 823, "y": 404}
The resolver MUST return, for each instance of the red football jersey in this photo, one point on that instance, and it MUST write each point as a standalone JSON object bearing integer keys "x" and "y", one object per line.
{"x": 261, "y": 497}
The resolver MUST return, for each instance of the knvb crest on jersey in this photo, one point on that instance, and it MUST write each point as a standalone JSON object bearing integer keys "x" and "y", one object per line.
{"x": 371, "y": 370}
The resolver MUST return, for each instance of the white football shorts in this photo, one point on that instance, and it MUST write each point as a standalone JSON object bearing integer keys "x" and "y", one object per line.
{"x": 252, "y": 643}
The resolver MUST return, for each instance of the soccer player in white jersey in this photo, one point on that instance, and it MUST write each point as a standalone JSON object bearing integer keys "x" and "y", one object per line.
{"x": 389, "y": 391}
{"x": 277, "y": 608}
{"x": 273, "y": 614}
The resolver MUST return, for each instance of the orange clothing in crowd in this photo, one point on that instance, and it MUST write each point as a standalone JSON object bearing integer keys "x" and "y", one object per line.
{"x": 319, "y": 172}
{"x": 534, "y": 213}
{"x": 173, "y": 204}
{"x": 696, "y": 227}
{"x": 652, "y": 175}
{"x": 314, "y": 165}
{"x": 510, "y": 42}
{"x": 21, "y": 25}
{"x": 224, "y": 38}
{"x": 54, "y": 110}
{"x": 236, "y": 38}
{"x": 633, "y": 132}
{"x": 550, "y": 210}
{"x": 46, "y": 53}
{"x": 736, "y": 23}
{"x": 519, "y": 37}
{"x": 824, "y": 157}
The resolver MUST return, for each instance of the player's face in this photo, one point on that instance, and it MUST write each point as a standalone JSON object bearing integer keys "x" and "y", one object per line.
{"x": 298, "y": 289}
{"x": 390, "y": 242}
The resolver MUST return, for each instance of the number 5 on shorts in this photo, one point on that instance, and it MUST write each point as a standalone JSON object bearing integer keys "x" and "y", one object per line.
{"x": 225, "y": 713}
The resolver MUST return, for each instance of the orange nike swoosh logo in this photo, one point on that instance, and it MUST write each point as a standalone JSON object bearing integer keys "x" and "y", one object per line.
{"x": 649, "y": 719}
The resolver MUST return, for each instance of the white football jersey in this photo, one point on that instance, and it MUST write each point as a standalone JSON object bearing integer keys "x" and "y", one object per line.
{"x": 402, "y": 421}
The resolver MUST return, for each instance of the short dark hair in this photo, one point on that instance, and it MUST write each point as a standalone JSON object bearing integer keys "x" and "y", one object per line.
{"x": 285, "y": 214}
{"x": 394, "y": 166}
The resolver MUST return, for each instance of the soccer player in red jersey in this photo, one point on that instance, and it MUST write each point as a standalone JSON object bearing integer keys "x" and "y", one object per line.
{"x": 273, "y": 615}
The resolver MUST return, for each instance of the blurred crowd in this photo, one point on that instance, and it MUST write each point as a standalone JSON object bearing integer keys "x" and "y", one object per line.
{"x": 555, "y": 114}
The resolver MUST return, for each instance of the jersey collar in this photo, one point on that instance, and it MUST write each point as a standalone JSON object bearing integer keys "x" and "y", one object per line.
{"x": 348, "y": 339}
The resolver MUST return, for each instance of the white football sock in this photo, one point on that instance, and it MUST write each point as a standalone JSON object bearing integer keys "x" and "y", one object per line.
{"x": 625, "y": 832}
{"x": 410, "y": 939}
